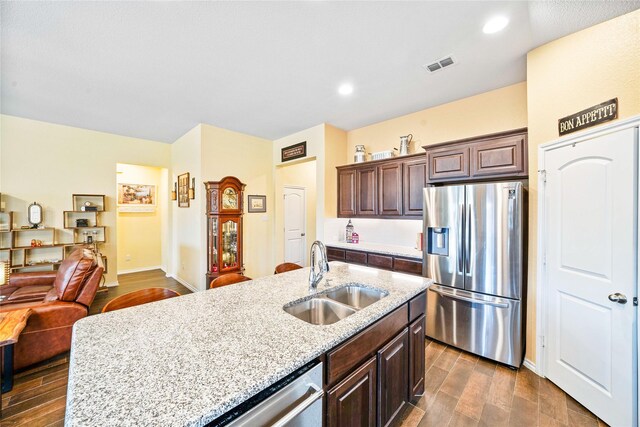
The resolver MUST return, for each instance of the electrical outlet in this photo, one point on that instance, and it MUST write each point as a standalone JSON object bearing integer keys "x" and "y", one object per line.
{"x": 127, "y": 258}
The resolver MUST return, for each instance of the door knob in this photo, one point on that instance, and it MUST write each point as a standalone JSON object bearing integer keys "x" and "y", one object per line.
{"x": 302, "y": 234}
{"x": 618, "y": 297}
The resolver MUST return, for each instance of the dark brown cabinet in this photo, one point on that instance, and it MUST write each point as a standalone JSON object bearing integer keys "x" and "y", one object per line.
{"x": 385, "y": 262}
{"x": 392, "y": 378}
{"x": 390, "y": 189}
{"x": 416, "y": 358}
{"x": 499, "y": 155}
{"x": 353, "y": 401}
{"x": 414, "y": 178}
{"x": 367, "y": 194}
{"x": 347, "y": 192}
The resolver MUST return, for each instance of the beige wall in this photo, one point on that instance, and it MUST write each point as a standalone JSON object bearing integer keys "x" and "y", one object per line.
{"x": 248, "y": 158}
{"x": 187, "y": 262}
{"x": 47, "y": 163}
{"x": 139, "y": 234}
{"x": 301, "y": 174}
{"x": 335, "y": 150}
{"x": 498, "y": 110}
{"x": 564, "y": 77}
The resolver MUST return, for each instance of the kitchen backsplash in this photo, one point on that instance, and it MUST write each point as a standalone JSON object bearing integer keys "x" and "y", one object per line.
{"x": 401, "y": 232}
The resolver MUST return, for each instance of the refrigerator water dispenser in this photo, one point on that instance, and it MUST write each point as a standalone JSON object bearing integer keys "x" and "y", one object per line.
{"x": 438, "y": 241}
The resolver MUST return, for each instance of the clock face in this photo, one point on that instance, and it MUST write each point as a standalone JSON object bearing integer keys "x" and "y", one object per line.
{"x": 229, "y": 199}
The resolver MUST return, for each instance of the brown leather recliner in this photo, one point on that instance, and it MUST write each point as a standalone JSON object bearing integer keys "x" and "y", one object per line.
{"x": 58, "y": 299}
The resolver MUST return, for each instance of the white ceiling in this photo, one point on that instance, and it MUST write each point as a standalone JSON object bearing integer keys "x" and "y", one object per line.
{"x": 156, "y": 69}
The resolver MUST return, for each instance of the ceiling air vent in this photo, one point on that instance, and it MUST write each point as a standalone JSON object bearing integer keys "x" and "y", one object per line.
{"x": 440, "y": 64}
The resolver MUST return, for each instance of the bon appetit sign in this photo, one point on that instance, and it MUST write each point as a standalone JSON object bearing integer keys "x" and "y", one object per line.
{"x": 590, "y": 117}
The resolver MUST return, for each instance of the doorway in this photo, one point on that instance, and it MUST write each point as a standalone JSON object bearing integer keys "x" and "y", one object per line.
{"x": 141, "y": 221}
{"x": 295, "y": 228}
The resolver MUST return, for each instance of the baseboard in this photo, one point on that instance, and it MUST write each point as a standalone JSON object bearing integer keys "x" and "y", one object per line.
{"x": 138, "y": 270}
{"x": 530, "y": 365}
{"x": 183, "y": 282}
{"x": 111, "y": 284}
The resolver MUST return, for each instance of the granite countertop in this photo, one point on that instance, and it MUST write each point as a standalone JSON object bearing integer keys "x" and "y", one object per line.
{"x": 380, "y": 248}
{"x": 185, "y": 361}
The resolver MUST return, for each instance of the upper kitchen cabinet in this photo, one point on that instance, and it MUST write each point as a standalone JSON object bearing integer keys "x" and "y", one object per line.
{"x": 500, "y": 155}
{"x": 367, "y": 191}
{"x": 390, "y": 188}
{"x": 347, "y": 192}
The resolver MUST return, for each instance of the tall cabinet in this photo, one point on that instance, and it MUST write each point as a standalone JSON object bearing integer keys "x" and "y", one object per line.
{"x": 224, "y": 227}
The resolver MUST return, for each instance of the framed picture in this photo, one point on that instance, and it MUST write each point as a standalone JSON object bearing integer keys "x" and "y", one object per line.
{"x": 183, "y": 190}
{"x": 136, "y": 197}
{"x": 257, "y": 203}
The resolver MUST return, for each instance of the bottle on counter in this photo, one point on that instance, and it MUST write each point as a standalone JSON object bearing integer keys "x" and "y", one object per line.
{"x": 349, "y": 233}
{"x": 355, "y": 238}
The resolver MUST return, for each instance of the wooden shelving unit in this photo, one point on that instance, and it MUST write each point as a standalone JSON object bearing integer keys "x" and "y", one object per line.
{"x": 15, "y": 243}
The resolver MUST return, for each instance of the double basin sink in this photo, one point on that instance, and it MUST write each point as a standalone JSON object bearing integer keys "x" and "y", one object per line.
{"x": 334, "y": 305}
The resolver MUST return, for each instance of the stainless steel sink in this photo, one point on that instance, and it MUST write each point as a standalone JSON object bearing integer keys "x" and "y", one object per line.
{"x": 319, "y": 311}
{"x": 356, "y": 296}
{"x": 329, "y": 307}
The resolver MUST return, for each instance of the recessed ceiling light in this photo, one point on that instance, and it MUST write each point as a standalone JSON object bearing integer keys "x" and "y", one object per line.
{"x": 345, "y": 89}
{"x": 494, "y": 25}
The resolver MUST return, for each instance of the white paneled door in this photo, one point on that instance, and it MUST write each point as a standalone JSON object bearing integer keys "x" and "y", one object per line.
{"x": 294, "y": 225}
{"x": 590, "y": 220}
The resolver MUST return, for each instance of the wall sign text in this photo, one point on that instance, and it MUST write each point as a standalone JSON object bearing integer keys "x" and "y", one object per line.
{"x": 590, "y": 117}
{"x": 294, "y": 151}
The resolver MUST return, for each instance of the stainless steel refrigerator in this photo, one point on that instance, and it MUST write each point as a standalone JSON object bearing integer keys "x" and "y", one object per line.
{"x": 475, "y": 252}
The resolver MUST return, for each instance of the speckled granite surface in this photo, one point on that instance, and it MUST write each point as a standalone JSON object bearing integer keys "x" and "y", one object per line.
{"x": 185, "y": 361}
{"x": 380, "y": 248}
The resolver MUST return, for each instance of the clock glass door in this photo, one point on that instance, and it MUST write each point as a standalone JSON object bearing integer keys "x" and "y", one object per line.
{"x": 213, "y": 247}
{"x": 229, "y": 244}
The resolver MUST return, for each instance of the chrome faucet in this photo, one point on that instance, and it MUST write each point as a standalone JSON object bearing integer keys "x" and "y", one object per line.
{"x": 323, "y": 266}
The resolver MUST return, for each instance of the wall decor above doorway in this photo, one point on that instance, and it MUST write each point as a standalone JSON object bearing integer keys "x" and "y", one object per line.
{"x": 183, "y": 190}
{"x": 295, "y": 151}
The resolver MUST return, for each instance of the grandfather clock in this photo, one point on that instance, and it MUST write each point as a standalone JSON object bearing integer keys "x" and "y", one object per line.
{"x": 224, "y": 227}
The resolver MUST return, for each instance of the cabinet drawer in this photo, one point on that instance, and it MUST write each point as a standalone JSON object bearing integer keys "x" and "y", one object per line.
{"x": 448, "y": 163}
{"x": 364, "y": 345}
{"x": 503, "y": 156}
{"x": 411, "y": 266}
{"x": 380, "y": 261}
{"x": 417, "y": 306}
{"x": 335, "y": 254}
{"x": 356, "y": 257}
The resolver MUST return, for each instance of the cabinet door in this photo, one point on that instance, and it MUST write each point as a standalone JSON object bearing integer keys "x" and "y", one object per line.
{"x": 390, "y": 189}
{"x": 448, "y": 163}
{"x": 414, "y": 178}
{"x": 353, "y": 401}
{"x": 501, "y": 156}
{"x": 366, "y": 199}
{"x": 393, "y": 378}
{"x": 346, "y": 193}
{"x": 416, "y": 358}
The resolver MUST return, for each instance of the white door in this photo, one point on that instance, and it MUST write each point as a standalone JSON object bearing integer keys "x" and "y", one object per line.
{"x": 294, "y": 225}
{"x": 590, "y": 257}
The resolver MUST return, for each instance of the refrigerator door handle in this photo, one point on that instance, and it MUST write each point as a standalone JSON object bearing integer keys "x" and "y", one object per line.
{"x": 459, "y": 252}
{"x": 446, "y": 294}
{"x": 467, "y": 240}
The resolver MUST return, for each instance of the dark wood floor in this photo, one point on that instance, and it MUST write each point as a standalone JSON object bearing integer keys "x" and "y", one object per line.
{"x": 461, "y": 389}
{"x": 39, "y": 394}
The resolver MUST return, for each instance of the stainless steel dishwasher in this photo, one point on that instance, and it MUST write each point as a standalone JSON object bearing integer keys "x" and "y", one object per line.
{"x": 295, "y": 401}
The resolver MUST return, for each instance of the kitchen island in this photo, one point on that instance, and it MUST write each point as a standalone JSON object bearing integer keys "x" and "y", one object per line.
{"x": 186, "y": 361}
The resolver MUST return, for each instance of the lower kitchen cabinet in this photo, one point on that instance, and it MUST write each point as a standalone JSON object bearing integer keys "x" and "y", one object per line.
{"x": 416, "y": 358}
{"x": 372, "y": 375}
{"x": 393, "y": 378}
{"x": 353, "y": 401}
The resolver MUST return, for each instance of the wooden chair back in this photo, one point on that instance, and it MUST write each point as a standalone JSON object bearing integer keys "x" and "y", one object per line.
{"x": 141, "y": 296}
{"x": 286, "y": 266}
{"x": 228, "y": 279}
